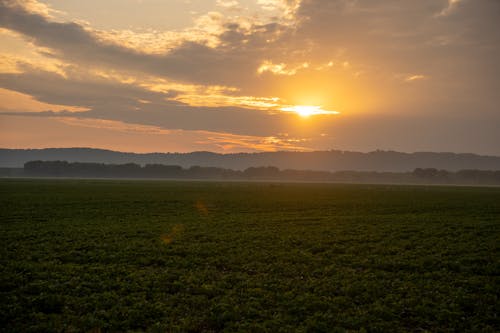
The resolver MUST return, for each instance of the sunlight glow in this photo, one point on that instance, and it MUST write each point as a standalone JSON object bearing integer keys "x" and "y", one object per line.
{"x": 307, "y": 110}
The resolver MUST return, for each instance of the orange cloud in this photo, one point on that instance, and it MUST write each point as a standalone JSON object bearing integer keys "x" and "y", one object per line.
{"x": 114, "y": 125}
{"x": 415, "y": 77}
{"x": 13, "y": 101}
{"x": 23, "y": 132}
{"x": 33, "y": 6}
{"x": 232, "y": 143}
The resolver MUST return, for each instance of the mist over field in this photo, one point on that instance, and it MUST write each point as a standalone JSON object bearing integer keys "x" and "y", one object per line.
{"x": 381, "y": 161}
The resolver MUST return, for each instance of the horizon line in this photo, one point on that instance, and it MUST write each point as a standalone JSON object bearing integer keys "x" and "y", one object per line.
{"x": 262, "y": 152}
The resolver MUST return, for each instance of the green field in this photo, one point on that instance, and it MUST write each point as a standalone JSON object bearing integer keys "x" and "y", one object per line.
{"x": 83, "y": 255}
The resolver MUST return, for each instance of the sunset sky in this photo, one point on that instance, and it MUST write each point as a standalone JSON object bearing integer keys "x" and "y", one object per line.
{"x": 251, "y": 75}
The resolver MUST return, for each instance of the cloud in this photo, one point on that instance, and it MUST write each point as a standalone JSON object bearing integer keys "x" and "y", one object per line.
{"x": 415, "y": 77}
{"x": 458, "y": 51}
{"x": 382, "y": 36}
{"x": 229, "y": 72}
{"x": 67, "y": 131}
{"x": 113, "y": 125}
{"x": 198, "y": 60}
{"x": 452, "y": 4}
{"x": 109, "y": 99}
{"x": 227, "y": 4}
{"x": 13, "y": 101}
{"x": 230, "y": 142}
{"x": 33, "y": 6}
{"x": 287, "y": 8}
{"x": 88, "y": 92}
{"x": 279, "y": 69}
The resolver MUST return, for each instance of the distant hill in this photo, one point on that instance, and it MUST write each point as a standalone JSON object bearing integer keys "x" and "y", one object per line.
{"x": 333, "y": 160}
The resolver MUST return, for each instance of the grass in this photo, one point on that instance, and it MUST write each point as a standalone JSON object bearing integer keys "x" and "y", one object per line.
{"x": 83, "y": 255}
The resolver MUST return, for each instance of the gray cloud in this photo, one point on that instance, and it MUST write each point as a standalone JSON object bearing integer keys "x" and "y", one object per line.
{"x": 112, "y": 100}
{"x": 189, "y": 62}
{"x": 399, "y": 30}
{"x": 53, "y": 88}
{"x": 390, "y": 36}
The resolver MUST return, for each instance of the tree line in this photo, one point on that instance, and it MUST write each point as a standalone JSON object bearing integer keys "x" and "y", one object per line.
{"x": 132, "y": 170}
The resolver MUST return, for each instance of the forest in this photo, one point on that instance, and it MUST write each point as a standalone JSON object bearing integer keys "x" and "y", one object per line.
{"x": 268, "y": 173}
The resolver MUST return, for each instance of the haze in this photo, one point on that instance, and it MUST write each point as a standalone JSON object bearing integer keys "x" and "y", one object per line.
{"x": 244, "y": 76}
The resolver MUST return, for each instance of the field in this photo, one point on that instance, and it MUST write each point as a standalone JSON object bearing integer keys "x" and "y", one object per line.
{"x": 83, "y": 255}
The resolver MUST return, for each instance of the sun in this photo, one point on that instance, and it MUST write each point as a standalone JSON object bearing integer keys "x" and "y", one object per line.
{"x": 307, "y": 110}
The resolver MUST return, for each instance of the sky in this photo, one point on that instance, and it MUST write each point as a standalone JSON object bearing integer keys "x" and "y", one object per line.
{"x": 251, "y": 75}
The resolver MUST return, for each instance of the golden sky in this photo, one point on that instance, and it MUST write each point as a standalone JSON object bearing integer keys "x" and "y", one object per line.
{"x": 251, "y": 75}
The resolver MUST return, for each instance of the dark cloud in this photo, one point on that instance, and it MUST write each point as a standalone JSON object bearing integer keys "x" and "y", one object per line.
{"x": 189, "y": 62}
{"x": 107, "y": 99}
{"x": 87, "y": 92}
{"x": 395, "y": 35}
{"x": 413, "y": 37}
{"x": 49, "y": 114}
